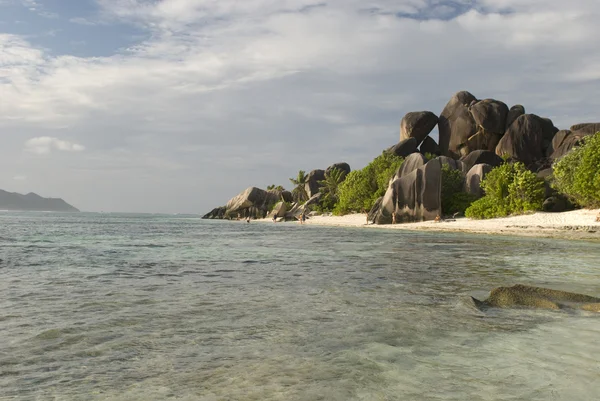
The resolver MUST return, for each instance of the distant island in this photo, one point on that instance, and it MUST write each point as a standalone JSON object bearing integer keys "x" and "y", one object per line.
{"x": 33, "y": 202}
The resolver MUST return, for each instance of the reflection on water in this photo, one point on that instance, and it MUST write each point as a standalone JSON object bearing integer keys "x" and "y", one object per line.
{"x": 160, "y": 307}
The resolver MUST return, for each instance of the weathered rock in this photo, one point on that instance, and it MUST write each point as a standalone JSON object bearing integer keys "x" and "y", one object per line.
{"x": 404, "y": 148}
{"x": 586, "y": 128}
{"x": 253, "y": 202}
{"x": 523, "y": 139}
{"x": 474, "y": 177}
{"x": 312, "y": 182}
{"x": 216, "y": 213}
{"x": 430, "y": 146}
{"x": 453, "y": 164}
{"x": 375, "y": 209}
{"x": 536, "y": 297}
{"x": 287, "y": 196}
{"x": 481, "y": 156}
{"x": 456, "y": 124}
{"x": 411, "y": 163}
{"x": 548, "y": 133}
{"x": 514, "y": 112}
{"x": 490, "y": 114}
{"x": 414, "y": 197}
{"x": 279, "y": 210}
{"x": 557, "y": 141}
{"x": 568, "y": 142}
{"x": 345, "y": 167}
{"x": 418, "y": 125}
{"x": 555, "y": 204}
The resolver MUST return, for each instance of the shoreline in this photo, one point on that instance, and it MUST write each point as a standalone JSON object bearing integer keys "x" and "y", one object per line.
{"x": 573, "y": 225}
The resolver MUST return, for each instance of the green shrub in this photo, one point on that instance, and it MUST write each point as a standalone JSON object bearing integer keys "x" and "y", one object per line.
{"x": 577, "y": 174}
{"x": 509, "y": 189}
{"x": 361, "y": 188}
{"x": 452, "y": 184}
{"x": 458, "y": 203}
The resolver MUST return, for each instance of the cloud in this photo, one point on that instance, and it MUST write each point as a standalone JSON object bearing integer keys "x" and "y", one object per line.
{"x": 20, "y": 177}
{"x": 82, "y": 21}
{"x": 45, "y": 144}
{"x": 260, "y": 88}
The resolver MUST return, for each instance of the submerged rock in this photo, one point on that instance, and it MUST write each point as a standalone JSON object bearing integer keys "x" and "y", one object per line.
{"x": 537, "y": 297}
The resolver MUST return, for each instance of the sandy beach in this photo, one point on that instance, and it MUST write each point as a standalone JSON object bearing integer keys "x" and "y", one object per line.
{"x": 576, "y": 224}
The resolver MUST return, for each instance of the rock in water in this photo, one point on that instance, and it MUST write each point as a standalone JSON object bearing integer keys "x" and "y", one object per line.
{"x": 418, "y": 125}
{"x": 414, "y": 197}
{"x": 537, "y": 297}
{"x": 404, "y": 148}
{"x": 253, "y": 201}
{"x": 474, "y": 177}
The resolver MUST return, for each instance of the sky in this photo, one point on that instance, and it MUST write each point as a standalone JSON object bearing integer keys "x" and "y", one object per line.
{"x": 176, "y": 106}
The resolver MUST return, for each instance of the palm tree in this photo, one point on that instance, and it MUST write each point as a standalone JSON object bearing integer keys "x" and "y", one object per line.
{"x": 299, "y": 191}
{"x": 330, "y": 186}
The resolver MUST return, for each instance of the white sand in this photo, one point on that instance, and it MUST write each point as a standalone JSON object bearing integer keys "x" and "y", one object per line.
{"x": 577, "y": 224}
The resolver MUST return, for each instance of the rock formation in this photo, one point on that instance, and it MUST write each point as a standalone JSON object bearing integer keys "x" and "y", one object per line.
{"x": 474, "y": 177}
{"x": 404, "y": 147}
{"x": 481, "y": 156}
{"x": 430, "y": 146}
{"x": 413, "y": 197}
{"x": 418, "y": 125}
{"x": 411, "y": 163}
{"x": 312, "y": 182}
{"x": 537, "y": 297}
{"x": 523, "y": 139}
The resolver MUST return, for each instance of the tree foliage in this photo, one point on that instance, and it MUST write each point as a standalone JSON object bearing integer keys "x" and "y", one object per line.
{"x": 329, "y": 188}
{"x": 509, "y": 189}
{"x": 577, "y": 174}
{"x": 299, "y": 191}
{"x": 454, "y": 200}
{"x": 361, "y": 188}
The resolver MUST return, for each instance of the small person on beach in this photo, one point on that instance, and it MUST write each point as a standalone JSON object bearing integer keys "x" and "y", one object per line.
{"x": 366, "y": 214}
{"x": 394, "y": 218}
{"x": 275, "y": 218}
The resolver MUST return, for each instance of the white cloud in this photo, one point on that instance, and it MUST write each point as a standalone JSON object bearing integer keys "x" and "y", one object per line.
{"x": 45, "y": 144}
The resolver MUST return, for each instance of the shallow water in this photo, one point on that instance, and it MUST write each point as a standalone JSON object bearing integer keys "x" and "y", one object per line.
{"x": 142, "y": 307}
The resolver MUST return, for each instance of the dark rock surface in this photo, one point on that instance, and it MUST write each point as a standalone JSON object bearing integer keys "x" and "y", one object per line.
{"x": 253, "y": 202}
{"x": 456, "y": 124}
{"x": 404, "y": 148}
{"x": 418, "y": 125}
{"x": 514, "y": 112}
{"x": 555, "y": 204}
{"x": 586, "y": 128}
{"x": 312, "y": 182}
{"x": 490, "y": 114}
{"x": 414, "y": 197}
{"x": 474, "y": 177}
{"x": 523, "y": 139}
{"x": 430, "y": 146}
{"x": 481, "y": 156}
{"x": 411, "y": 163}
{"x": 345, "y": 167}
{"x": 453, "y": 163}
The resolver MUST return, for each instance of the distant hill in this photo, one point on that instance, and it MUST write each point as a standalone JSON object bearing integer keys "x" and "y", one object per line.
{"x": 33, "y": 202}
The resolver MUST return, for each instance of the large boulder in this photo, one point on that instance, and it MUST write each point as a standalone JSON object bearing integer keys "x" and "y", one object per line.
{"x": 253, "y": 202}
{"x": 523, "y": 140}
{"x": 404, "y": 148}
{"x": 312, "y": 185}
{"x": 537, "y": 297}
{"x": 345, "y": 167}
{"x": 474, "y": 177}
{"x": 548, "y": 133}
{"x": 411, "y": 163}
{"x": 555, "y": 204}
{"x": 287, "y": 196}
{"x": 279, "y": 210}
{"x": 586, "y": 128}
{"x": 430, "y": 146}
{"x": 453, "y": 163}
{"x": 375, "y": 209}
{"x": 481, "y": 156}
{"x": 557, "y": 141}
{"x": 564, "y": 142}
{"x": 414, "y": 197}
{"x": 417, "y": 124}
{"x": 514, "y": 112}
{"x": 216, "y": 213}
{"x": 456, "y": 124}
{"x": 490, "y": 114}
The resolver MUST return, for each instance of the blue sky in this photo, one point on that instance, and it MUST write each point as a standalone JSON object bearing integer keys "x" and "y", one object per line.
{"x": 178, "y": 105}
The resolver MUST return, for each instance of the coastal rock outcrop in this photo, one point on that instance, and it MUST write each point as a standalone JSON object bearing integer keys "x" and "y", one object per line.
{"x": 481, "y": 156}
{"x": 411, "y": 163}
{"x": 429, "y": 145}
{"x": 253, "y": 202}
{"x": 312, "y": 182}
{"x": 413, "y": 197}
{"x": 514, "y": 112}
{"x": 564, "y": 141}
{"x": 555, "y": 204}
{"x": 418, "y": 125}
{"x": 586, "y": 128}
{"x": 216, "y": 213}
{"x": 474, "y": 177}
{"x": 453, "y": 163}
{"x": 345, "y": 167}
{"x": 404, "y": 148}
{"x": 537, "y": 297}
{"x": 456, "y": 125}
{"x": 523, "y": 139}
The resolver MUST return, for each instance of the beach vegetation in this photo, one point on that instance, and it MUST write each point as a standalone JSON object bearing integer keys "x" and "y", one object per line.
{"x": 330, "y": 187}
{"x": 577, "y": 174}
{"x": 299, "y": 182}
{"x": 454, "y": 200}
{"x": 363, "y": 187}
{"x": 510, "y": 189}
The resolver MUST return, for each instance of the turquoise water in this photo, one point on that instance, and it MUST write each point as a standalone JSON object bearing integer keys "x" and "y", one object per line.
{"x": 142, "y": 307}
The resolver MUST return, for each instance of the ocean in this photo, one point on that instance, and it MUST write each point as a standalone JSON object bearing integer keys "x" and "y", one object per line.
{"x": 155, "y": 307}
